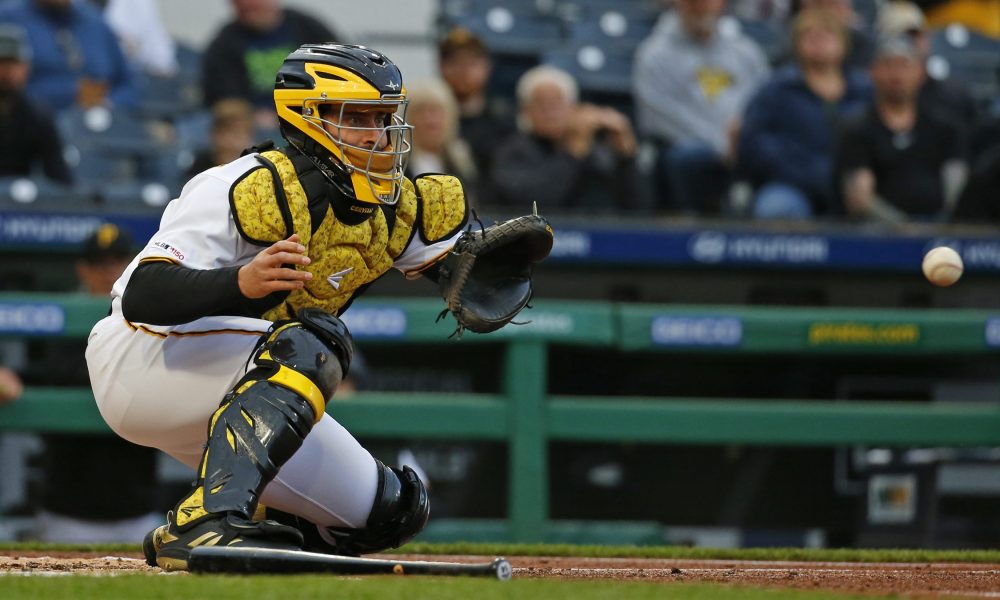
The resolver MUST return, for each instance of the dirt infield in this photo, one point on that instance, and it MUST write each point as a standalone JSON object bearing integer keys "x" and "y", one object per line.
{"x": 912, "y": 580}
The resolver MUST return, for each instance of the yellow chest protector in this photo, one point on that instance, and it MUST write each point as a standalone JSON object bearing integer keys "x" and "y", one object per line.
{"x": 344, "y": 258}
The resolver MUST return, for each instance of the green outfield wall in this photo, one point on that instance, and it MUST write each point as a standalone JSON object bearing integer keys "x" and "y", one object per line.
{"x": 526, "y": 417}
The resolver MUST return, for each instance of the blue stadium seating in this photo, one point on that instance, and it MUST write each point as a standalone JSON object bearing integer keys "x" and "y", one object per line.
{"x": 596, "y": 69}
{"x": 604, "y": 74}
{"x": 771, "y": 37}
{"x": 459, "y": 8}
{"x": 506, "y": 32}
{"x": 104, "y": 146}
{"x": 32, "y": 192}
{"x": 611, "y": 28}
{"x": 969, "y": 57}
{"x": 171, "y": 97}
{"x": 135, "y": 193}
{"x": 592, "y": 9}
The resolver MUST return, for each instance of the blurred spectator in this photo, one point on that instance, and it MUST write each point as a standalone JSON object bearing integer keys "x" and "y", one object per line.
{"x": 83, "y": 500}
{"x": 979, "y": 15}
{"x": 980, "y": 201}
{"x": 141, "y": 33}
{"x": 859, "y": 42}
{"x": 76, "y": 59}
{"x": 904, "y": 19}
{"x": 232, "y": 133}
{"x": 28, "y": 138}
{"x": 484, "y": 122}
{"x": 10, "y": 386}
{"x": 692, "y": 81}
{"x": 243, "y": 59}
{"x": 436, "y": 146}
{"x": 569, "y": 155}
{"x": 786, "y": 142}
{"x": 774, "y": 11}
{"x": 899, "y": 160}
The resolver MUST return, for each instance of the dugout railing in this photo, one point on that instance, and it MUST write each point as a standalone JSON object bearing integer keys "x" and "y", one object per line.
{"x": 526, "y": 417}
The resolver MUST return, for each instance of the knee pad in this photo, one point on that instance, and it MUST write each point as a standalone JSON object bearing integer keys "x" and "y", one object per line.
{"x": 310, "y": 355}
{"x": 399, "y": 513}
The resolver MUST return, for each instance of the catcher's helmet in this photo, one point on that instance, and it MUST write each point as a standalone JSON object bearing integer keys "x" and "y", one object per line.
{"x": 319, "y": 85}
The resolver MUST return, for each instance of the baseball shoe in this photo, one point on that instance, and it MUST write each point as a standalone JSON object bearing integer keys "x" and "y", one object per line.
{"x": 168, "y": 547}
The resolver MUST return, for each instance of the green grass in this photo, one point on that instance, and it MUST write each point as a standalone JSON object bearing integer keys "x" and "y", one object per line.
{"x": 682, "y": 552}
{"x": 671, "y": 552}
{"x": 148, "y": 587}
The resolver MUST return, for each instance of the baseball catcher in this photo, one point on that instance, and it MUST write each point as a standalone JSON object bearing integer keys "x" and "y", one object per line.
{"x": 224, "y": 346}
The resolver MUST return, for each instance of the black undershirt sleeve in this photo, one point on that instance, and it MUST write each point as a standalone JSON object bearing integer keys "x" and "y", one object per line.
{"x": 163, "y": 293}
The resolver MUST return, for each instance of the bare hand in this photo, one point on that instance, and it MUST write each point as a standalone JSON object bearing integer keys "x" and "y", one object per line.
{"x": 619, "y": 131}
{"x": 10, "y": 386}
{"x": 583, "y": 124}
{"x": 268, "y": 273}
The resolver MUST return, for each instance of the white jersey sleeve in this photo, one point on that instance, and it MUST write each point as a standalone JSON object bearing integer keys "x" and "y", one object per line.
{"x": 197, "y": 229}
{"x": 418, "y": 255}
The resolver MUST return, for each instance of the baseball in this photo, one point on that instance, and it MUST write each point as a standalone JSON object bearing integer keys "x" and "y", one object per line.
{"x": 942, "y": 266}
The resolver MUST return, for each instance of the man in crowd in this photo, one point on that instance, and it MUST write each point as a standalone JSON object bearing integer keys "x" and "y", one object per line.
{"x": 243, "y": 58}
{"x": 691, "y": 84}
{"x": 76, "y": 59}
{"x": 484, "y": 122}
{"x": 904, "y": 19}
{"x": 899, "y": 160}
{"x": 786, "y": 142}
{"x": 28, "y": 138}
{"x": 570, "y": 156}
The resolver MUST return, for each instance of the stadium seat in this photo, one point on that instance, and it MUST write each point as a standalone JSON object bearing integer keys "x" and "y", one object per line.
{"x": 596, "y": 69}
{"x": 459, "y": 8}
{"x": 506, "y": 32}
{"x": 770, "y": 36}
{"x": 135, "y": 194}
{"x": 604, "y": 74}
{"x": 867, "y": 12}
{"x": 591, "y": 10}
{"x": 611, "y": 28}
{"x": 104, "y": 146}
{"x": 30, "y": 192}
{"x": 973, "y": 59}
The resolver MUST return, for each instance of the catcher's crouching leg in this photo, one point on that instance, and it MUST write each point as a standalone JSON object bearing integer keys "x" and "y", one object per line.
{"x": 399, "y": 513}
{"x": 260, "y": 424}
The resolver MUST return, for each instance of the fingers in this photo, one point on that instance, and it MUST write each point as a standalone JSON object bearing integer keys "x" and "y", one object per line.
{"x": 286, "y": 258}
{"x": 280, "y": 286}
{"x": 288, "y": 245}
{"x": 283, "y": 274}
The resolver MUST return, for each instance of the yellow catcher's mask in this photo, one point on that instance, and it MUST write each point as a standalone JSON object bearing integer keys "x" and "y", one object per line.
{"x": 345, "y": 107}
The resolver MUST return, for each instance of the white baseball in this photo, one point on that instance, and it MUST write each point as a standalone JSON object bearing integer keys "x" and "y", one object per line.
{"x": 942, "y": 266}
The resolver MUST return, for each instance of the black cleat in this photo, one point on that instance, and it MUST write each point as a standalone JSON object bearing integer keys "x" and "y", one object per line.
{"x": 168, "y": 548}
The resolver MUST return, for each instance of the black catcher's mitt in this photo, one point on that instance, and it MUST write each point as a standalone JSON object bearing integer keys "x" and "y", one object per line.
{"x": 486, "y": 278}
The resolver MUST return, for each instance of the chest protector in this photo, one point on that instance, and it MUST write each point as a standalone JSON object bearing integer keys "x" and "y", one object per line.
{"x": 269, "y": 204}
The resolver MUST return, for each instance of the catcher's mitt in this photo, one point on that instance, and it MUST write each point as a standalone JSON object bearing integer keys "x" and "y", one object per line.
{"x": 486, "y": 278}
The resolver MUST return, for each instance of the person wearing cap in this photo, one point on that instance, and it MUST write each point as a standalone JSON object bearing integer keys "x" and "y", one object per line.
{"x": 899, "y": 161}
{"x": 115, "y": 508}
{"x": 76, "y": 61}
{"x": 905, "y": 19}
{"x": 483, "y": 121}
{"x": 29, "y": 141}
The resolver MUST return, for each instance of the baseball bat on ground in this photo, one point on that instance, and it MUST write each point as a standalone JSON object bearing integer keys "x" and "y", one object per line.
{"x": 222, "y": 559}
